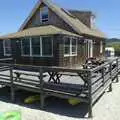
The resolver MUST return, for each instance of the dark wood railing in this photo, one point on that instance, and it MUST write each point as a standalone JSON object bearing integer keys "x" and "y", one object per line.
{"x": 87, "y": 85}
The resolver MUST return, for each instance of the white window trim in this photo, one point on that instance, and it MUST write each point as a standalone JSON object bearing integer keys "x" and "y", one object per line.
{"x": 101, "y": 46}
{"x": 22, "y": 53}
{"x": 41, "y": 48}
{"x": 31, "y": 54}
{"x": 89, "y": 48}
{"x": 69, "y": 55}
{"x": 4, "y": 49}
{"x": 41, "y": 20}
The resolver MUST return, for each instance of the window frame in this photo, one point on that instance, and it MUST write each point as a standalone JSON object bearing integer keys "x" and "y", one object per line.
{"x": 31, "y": 52}
{"x": 90, "y": 48}
{"x": 70, "y": 47}
{"x": 101, "y": 46}
{"x": 22, "y": 53}
{"x": 4, "y": 48}
{"x": 41, "y": 13}
{"x": 42, "y": 47}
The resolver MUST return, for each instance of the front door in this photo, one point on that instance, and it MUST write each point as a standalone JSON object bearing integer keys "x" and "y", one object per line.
{"x": 89, "y": 48}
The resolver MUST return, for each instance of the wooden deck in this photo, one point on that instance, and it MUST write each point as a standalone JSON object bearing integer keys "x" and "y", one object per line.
{"x": 84, "y": 84}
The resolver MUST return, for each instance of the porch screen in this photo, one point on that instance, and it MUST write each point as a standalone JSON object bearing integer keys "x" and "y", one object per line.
{"x": 47, "y": 46}
{"x": 67, "y": 46}
{"x": 36, "y": 46}
{"x": 25, "y": 46}
{"x": 7, "y": 47}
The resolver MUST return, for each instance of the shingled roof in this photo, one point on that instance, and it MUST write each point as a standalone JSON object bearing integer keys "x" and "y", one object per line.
{"x": 72, "y": 21}
{"x": 36, "y": 31}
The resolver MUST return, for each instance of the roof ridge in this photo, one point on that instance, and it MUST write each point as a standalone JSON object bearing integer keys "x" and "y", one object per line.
{"x": 74, "y": 23}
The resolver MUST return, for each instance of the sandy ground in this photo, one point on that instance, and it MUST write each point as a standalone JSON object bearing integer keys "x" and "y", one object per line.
{"x": 107, "y": 108}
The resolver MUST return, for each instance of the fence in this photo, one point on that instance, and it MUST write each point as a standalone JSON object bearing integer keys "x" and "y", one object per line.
{"x": 87, "y": 85}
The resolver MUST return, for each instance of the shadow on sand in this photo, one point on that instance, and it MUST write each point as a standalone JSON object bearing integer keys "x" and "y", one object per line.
{"x": 52, "y": 104}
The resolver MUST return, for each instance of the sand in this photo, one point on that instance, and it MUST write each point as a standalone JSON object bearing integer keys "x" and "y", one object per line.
{"x": 107, "y": 108}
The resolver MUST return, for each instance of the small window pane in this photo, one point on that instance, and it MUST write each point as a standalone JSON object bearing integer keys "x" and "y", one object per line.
{"x": 7, "y": 47}
{"x": 36, "y": 46}
{"x": 25, "y": 46}
{"x": 44, "y": 14}
{"x": 74, "y": 46}
{"x": 101, "y": 46}
{"x": 47, "y": 46}
{"x": 67, "y": 46}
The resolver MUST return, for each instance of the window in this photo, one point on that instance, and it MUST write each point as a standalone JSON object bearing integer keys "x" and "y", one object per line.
{"x": 47, "y": 46}
{"x": 101, "y": 47}
{"x": 74, "y": 46}
{"x": 7, "y": 47}
{"x": 25, "y": 46}
{"x": 67, "y": 46}
{"x": 37, "y": 47}
{"x": 70, "y": 47}
{"x": 44, "y": 14}
{"x": 36, "y": 51}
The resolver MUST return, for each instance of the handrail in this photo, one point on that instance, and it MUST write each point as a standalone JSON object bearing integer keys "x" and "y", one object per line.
{"x": 103, "y": 65}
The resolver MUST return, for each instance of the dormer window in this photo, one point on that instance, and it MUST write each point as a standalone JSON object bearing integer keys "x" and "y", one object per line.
{"x": 44, "y": 14}
{"x": 92, "y": 21}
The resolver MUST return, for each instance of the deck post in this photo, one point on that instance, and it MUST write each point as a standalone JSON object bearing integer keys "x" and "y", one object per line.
{"x": 90, "y": 115}
{"x": 103, "y": 70}
{"x": 12, "y": 85}
{"x": 117, "y": 80}
{"x": 110, "y": 86}
{"x": 42, "y": 98}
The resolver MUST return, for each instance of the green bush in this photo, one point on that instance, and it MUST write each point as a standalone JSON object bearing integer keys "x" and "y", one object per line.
{"x": 116, "y": 46}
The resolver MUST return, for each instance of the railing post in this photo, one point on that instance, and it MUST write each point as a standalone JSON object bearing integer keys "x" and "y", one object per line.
{"x": 103, "y": 76}
{"x": 12, "y": 85}
{"x": 110, "y": 86}
{"x": 42, "y": 96}
{"x": 90, "y": 115}
{"x": 117, "y": 79}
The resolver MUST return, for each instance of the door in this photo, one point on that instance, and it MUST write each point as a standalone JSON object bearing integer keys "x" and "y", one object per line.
{"x": 89, "y": 48}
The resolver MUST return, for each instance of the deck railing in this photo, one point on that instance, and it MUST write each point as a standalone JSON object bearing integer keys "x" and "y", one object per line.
{"x": 87, "y": 85}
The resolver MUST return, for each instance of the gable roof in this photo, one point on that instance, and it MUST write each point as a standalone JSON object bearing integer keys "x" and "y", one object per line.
{"x": 75, "y": 23}
{"x": 36, "y": 31}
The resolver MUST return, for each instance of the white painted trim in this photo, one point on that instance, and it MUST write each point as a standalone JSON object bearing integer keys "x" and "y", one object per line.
{"x": 71, "y": 54}
{"x": 30, "y": 15}
{"x": 41, "y": 53}
{"x": 40, "y": 46}
{"x": 30, "y": 39}
{"x": 101, "y": 46}
{"x": 89, "y": 48}
{"x": 4, "y": 49}
{"x": 22, "y": 53}
{"x": 35, "y": 56}
{"x": 41, "y": 20}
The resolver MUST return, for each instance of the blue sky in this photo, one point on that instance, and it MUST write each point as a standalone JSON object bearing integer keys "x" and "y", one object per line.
{"x": 14, "y": 12}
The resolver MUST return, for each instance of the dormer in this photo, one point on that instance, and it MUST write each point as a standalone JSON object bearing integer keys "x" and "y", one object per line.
{"x": 86, "y": 17}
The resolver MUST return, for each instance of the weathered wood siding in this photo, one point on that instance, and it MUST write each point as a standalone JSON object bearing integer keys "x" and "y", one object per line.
{"x": 42, "y": 61}
{"x": 53, "y": 20}
{"x": 96, "y": 49}
{"x": 83, "y": 16}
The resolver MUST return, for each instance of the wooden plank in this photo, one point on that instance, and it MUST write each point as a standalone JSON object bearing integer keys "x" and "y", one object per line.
{"x": 100, "y": 92}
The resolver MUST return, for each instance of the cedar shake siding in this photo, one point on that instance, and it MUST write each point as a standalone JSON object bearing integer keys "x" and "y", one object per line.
{"x": 57, "y": 59}
{"x": 83, "y": 16}
{"x": 53, "y": 19}
{"x": 65, "y": 28}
